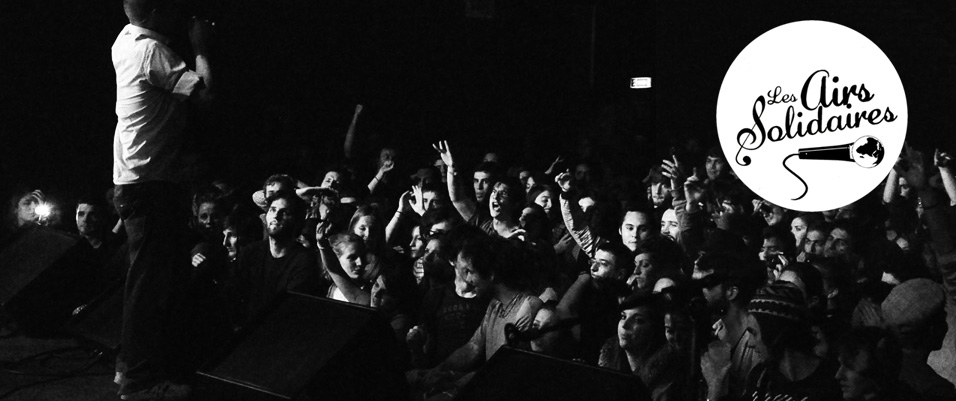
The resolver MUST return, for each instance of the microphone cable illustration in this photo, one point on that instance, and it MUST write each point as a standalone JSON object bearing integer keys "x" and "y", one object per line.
{"x": 866, "y": 152}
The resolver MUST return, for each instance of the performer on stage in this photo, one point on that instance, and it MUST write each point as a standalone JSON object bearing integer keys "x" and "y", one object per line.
{"x": 152, "y": 86}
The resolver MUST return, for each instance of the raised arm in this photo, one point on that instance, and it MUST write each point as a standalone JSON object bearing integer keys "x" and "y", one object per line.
{"x": 935, "y": 209}
{"x": 465, "y": 206}
{"x": 352, "y": 292}
{"x": 199, "y": 37}
{"x": 350, "y": 134}
{"x": 891, "y": 189}
{"x": 387, "y": 166}
{"x": 945, "y": 164}
{"x": 573, "y": 216}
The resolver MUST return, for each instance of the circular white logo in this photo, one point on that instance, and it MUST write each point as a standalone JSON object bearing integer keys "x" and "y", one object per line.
{"x": 811, "y": 116}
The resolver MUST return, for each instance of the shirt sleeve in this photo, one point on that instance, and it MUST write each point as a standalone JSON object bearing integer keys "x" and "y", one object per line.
{"x": 164, "y": 69}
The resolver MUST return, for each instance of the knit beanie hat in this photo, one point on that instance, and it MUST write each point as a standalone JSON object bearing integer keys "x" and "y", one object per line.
{"x": 779, "y": 299}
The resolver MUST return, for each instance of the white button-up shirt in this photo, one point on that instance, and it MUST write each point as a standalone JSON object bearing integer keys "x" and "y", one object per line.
{"x": 151, "y": 84}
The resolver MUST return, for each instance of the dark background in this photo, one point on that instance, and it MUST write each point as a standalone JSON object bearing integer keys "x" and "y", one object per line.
{"x": 528, "y": 81}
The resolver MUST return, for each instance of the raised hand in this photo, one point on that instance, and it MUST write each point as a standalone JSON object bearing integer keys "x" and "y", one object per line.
{"x": 675, "y": 171}
{"x": 418, "y": 205}
{"x": 446, "y": 157}
{"x": 942, "y": 160}
{"x": 387, "y": 166}
{"x": 564, "y": 181}
{"x": 554, "y": 165}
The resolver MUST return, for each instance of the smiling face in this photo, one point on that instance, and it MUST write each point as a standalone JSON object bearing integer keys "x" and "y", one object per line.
{"x": 544, "y": 200}
{"x": 634, "y": 229}
{"x": 716, "y": 167}
{"x": 502, "y": 204}
{"x": 209, "y": 217}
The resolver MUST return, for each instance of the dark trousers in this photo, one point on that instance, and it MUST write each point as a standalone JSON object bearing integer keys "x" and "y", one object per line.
{"x": 155, "y": 215}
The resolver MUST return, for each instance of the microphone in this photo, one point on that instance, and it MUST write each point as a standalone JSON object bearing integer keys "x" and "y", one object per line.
{"x": 866, "y": 152}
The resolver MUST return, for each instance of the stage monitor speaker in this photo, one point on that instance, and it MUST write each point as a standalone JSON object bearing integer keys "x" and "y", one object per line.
{"x": 513, "y": 374}
{"x": 44, "y": 275}
{"x": 309, "y": 348}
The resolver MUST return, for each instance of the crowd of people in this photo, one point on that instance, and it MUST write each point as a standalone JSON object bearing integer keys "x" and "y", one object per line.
{"x": 693, "y": 283}
{"x": 678, "y": 274}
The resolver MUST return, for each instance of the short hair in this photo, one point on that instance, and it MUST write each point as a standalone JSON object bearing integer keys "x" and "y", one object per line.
{"x": 95, "y": 201}
{"x": 283, "y": 179}
{"x": 735, "y": 270}
{"x": 787, "y": 242}
{"x": 435, "y": 187}
{"x": 623, "y": 256}
{"x": 885, "y": 353}
{"x": 244, "y": 224}
{"x": 139, "y": 10}
{"x": 717, "y": 152}
{"x": 437, "y": 215}
{"x": 292, "y": 200}
{"x": 491, "y": 168}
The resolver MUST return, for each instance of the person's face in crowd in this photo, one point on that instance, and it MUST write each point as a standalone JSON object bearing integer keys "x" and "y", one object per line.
{"x": 482, "y": 184}
{"x": 439, "y": 228}
{"x": 380, "y": 298}
{"x": 773, "y": 216}
{"x": 854, "y": 384}
{"x": 677, "y": 329}
{"x": 524, "y": 176}
{"x": 502, "y": 204}
{"x": 353, "y": 259}
{"x": 815, "y": 242}
{"x": 280, "y": 222}
{"x": 547, "y": 343}
{"x": 838, "y": 243}
{"x": 89, "y": 219}
{"x": 491, "y": 157}
{"x": 472, "y": 282}
{"x": 417, "y": 246}
{"x": 332, "y": 179}
{"x": 799, "y": 229}
{"x": 716, "y": 167}
{"x": 364, "y": 227}
{"x": 209, "y": 217}
{"x": 714, "y": 291}
{"x": 544, "y": 200}
{"x": 662, "y": 284}
{"x": 582, "y": 173}
{"x": 905, "y": 190}
{"x": 604, "y": 266}
{"x": 529, "y": 223}
{"x": 274, "y": 187}
{"x": 669, "y": 227}
{"x": 230, "y": 240}
{"x": 26, "y": 210}
{"x": 432, "y": 200}
{"x": 772, "y": 247}
{"x": 643, "y": 269}
{"x": 659, "y": 192}
{"x": 386, "y": 155}
{"x": 830, "y": 215}
{"x": 634, "y": 229}
{"x": 635, "y": 329}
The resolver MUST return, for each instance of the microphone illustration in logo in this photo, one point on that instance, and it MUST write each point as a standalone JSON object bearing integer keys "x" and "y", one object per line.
{"x": 866, "y": 152}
